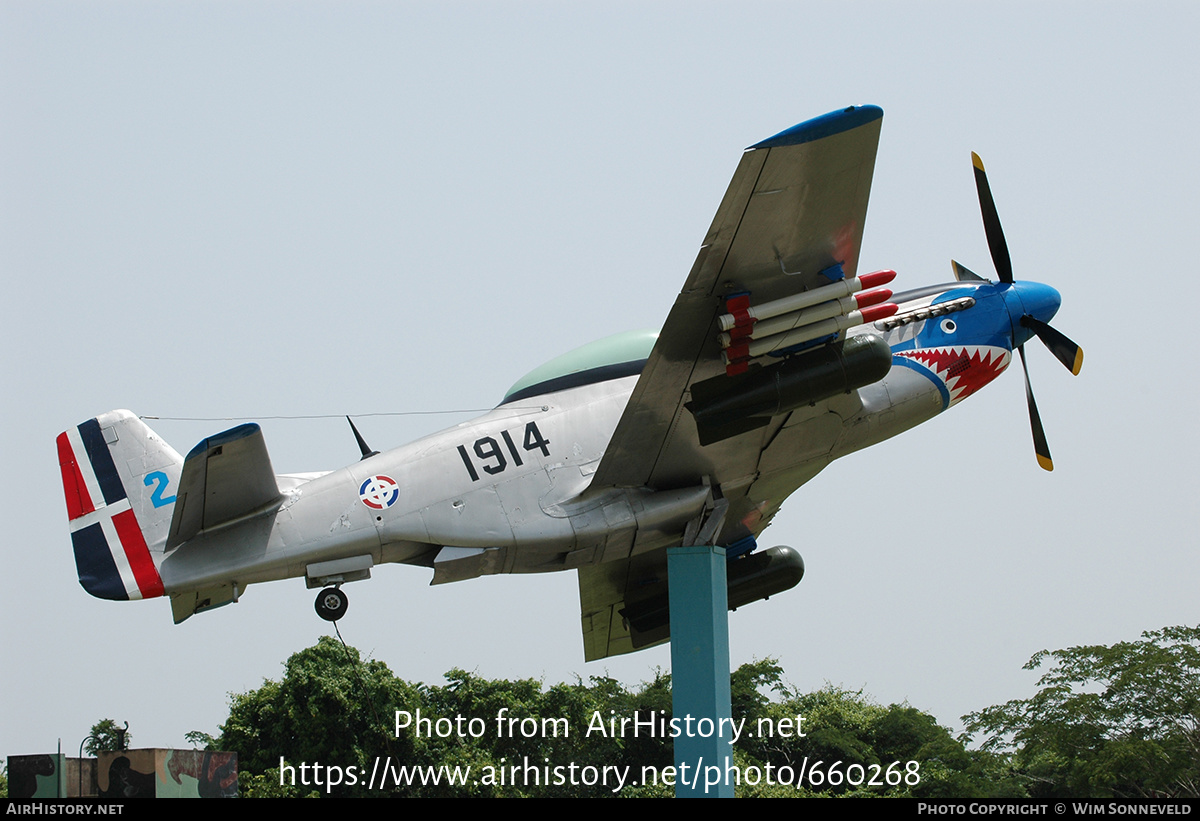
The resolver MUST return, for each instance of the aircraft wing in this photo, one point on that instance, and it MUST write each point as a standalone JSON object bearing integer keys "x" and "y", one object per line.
{"x": 796, "y": 207}
{"x": 793, "y": 212}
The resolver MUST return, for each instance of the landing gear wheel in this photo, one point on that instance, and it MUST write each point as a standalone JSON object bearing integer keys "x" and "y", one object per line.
{"x": 331, "y": 604}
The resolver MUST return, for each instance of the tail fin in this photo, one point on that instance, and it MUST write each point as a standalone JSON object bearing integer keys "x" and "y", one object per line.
{"x": 119, "y": 479}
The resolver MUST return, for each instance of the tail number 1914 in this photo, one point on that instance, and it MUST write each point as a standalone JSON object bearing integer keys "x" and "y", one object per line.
{"x": 490, "y": 454}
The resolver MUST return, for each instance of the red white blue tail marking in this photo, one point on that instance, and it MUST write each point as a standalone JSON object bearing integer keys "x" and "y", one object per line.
{"x": 111, "y": 554}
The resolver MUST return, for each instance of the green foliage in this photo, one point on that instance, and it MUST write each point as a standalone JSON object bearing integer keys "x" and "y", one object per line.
{"x": 106, "y": 736}
{"x": 1120, "y": 721}
{"x": 847, "y": 729}
{"x": 269, "y": 785}
{"x": 331, "y": 708}
{"x": 200, "y": 740}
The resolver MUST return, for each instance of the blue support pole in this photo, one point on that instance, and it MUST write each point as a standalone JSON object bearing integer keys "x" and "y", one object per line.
{"x": 700, "y": 697}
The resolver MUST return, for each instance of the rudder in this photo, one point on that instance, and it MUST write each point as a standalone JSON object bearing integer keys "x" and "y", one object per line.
{"x": 119, "y": 480}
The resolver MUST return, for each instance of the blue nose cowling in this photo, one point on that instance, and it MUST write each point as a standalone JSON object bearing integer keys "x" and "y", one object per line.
{"x": 1033, "y": 298}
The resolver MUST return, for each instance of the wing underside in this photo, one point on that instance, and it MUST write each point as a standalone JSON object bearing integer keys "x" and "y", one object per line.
{"x": 790, "y": 222}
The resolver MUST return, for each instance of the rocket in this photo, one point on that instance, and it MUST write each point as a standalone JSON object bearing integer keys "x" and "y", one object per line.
{"x": 785, "y": 323}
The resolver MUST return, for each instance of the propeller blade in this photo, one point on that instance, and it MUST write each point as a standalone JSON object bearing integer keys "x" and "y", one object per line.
{"x": 1040, "y": 446}
{"x": 991, "y": 223}
{"x": 1066, "y": 351}
{"x": 964, "y": 274}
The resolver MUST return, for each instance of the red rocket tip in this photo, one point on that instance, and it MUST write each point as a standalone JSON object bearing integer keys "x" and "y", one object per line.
{"x": 878, "y": 312}
{"x": 867, "y": 298}
{"x": 877, "y": 278}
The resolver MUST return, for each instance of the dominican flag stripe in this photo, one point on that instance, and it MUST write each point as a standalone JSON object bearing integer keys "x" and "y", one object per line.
{"x": 140, "y": 564}
{"x": 111, "y": 553}
{"x": 97, "y": 570}
{"x": 112, "y": 557}
{"x": 102, "y": 461}
{"x": 79, "y": 501}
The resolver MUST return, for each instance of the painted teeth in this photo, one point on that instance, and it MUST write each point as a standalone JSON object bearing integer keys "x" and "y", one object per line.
{"x": 986, "y": 362}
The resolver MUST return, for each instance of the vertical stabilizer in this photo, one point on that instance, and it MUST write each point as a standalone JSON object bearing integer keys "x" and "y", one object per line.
{"x": 120, "y": 480}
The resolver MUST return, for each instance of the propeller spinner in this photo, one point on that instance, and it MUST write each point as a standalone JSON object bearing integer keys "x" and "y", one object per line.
{"x": 1032, "y": 299}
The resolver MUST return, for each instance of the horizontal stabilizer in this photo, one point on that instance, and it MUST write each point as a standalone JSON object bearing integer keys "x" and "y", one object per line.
{"x": 187, "y": 604}
{"x": 226, "y": 478}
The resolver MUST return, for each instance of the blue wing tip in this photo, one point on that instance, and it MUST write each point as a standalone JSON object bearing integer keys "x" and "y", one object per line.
{"x": 223, "y": 438}
{"x": 824, "y": 126}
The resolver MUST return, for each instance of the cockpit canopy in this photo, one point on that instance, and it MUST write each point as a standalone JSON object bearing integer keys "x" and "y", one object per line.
{"x": 613, "y": 357}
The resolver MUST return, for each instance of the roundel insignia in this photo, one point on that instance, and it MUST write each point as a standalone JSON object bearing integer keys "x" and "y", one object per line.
{"x": 378, "y": 492}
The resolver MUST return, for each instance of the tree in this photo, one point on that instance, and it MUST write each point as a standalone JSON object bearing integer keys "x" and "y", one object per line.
{"x": 107, "y": 736}
{"x": 330, "y": 707}
{"x": 200, "y": 740}
{"x": 334, "y": 709}
{"x": 847, "y": 728}
{"x": 1120, "y": 721}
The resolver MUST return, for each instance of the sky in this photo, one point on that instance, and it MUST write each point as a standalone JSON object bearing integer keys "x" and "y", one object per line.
{"x": 256, "y": 210}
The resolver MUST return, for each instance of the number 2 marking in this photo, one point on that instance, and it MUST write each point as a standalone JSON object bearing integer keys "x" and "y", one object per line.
{"x": 160, "y": 481}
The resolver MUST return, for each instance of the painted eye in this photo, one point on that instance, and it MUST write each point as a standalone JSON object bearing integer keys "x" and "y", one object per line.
{"x": 948, "y": 326}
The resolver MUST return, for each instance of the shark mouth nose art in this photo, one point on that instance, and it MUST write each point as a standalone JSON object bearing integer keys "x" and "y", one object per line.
{"x": 958, "y": 370}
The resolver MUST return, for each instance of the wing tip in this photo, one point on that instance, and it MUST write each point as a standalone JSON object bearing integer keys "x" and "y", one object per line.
{"x": 826, "y": 125}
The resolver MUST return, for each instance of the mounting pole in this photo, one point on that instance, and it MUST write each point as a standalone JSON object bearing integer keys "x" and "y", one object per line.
{"x": 699, "y": 611}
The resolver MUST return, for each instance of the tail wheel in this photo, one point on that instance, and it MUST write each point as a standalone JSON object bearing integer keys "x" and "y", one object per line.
{"x": 331, "y": 604}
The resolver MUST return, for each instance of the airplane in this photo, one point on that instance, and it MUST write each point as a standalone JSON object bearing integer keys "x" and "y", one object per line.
{"x": 776, "y": 358}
